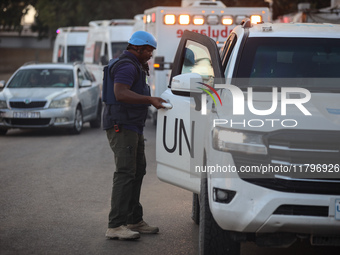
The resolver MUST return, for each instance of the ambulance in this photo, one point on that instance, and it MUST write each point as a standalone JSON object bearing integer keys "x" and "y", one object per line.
{"x": 106, "y": 39}
{"x": 167, "y": 24}
{"x": 69, "y": 44}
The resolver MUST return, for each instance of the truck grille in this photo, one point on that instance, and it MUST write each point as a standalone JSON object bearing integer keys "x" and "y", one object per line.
{"x": 27, "y": 105}
{"x": 300, "y": 152}
{"x": 307, "y": 147}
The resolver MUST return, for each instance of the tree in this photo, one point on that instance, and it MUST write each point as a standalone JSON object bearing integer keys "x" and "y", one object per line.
{"x": 63, "y": 13}
{"x": 11, "y": 13}
{"x": 52, "y": 14}
{"x": 281, "y": 7}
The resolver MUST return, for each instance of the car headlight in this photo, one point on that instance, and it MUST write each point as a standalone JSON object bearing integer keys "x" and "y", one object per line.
{"x": 238, "y": 141}
{"x": 61, "y": 103}
{"x": 3, "y": 104}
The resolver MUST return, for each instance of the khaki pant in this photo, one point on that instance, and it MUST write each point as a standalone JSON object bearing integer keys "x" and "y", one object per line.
{"x": 129, "y": 153}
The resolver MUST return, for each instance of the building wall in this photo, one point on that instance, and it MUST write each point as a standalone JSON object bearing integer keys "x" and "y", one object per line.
{"x": 17, "y": 50}
{"x": 12, "y": 58}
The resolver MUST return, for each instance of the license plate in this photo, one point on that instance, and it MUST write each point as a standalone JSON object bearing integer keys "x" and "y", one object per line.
{"x": 337, "y": 209}
{"x": 28, "y": 115}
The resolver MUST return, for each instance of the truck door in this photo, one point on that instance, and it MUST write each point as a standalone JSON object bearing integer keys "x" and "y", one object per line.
{"x": 181, "y": 131}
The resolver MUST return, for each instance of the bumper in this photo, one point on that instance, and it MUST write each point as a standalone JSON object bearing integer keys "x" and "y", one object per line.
{"x": 41, "y": 118}
{"x": 255, "y": 209}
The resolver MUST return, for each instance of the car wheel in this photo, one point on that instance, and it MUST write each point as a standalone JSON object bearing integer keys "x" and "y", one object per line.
{"x": 96, "y": 123}
{"x": 78, "y": 122}
{"x": 3, "y": 131}
{"x": 195, "y": 211}
{"x": 213, "y": 239}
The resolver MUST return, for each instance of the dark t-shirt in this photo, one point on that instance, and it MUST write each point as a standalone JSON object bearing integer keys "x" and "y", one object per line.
{"x": 126, "y": 73}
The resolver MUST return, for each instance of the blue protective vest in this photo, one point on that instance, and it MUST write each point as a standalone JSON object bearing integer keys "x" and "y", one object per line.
{"x": 123, "y": 113}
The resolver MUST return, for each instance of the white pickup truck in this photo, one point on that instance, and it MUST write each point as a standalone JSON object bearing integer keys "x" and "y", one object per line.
{"x": 253, "y": 130}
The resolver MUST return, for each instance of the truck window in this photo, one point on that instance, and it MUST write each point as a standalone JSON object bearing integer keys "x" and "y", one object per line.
{"x": 291, "y": 58}
{"x": 87, "y": 74}
{"x": 80, "y": 77}
{"x": 96, "y": 54}
{"x": 198, "y": 60}
{"x": 75, "y": 53}
{"x": 227, "y": 49}
{"x": 104, "y": 59}
{"x": 118, "y": 48}
{"x": 60, "y": 57}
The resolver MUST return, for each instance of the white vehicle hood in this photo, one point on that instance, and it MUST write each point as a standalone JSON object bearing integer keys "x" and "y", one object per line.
{"x": 35, "y": 93}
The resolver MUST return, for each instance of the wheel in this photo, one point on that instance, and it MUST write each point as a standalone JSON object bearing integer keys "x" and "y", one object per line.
{"x": 3, "y": 131}
{"x": 78, "y": 122}
{"x": 195, "y": 212}
{"x": 96, "y": 123}
{"x": 213, "y": 239}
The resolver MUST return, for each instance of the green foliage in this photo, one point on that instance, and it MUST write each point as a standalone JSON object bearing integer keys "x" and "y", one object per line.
{"x": 281, "y": 7}
{"x": 11, "y": 13}
{"x": 64, "y": 13}
{"x": 52, "y": 14}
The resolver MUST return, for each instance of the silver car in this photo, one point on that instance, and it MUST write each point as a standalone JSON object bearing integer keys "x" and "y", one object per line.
{"x": 50, "y": 95}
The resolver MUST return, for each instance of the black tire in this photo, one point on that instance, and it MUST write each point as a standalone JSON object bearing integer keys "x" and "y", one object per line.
{"x": 96, "y": 123}
{"x": 212, "y": 239}
{"x": 195, "y": 212}
{"x": 3, "y": 131}
{"x": 78, "y": 122}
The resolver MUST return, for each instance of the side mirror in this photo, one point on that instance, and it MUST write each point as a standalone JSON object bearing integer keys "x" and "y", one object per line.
{"x": 184, "y": 84}
{"x": 86, "y": 83}
{"x": 2, "y": 84}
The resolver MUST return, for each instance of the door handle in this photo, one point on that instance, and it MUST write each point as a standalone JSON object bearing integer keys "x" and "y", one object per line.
{"x": 167, "y": 105}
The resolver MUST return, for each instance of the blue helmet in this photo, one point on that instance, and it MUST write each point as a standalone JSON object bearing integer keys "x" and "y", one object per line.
{"x": 140, "y": 38}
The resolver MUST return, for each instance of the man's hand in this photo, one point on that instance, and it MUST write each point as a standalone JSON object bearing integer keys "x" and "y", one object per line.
{"x": 157, "y": 102}
{"x": 124, "y": 94}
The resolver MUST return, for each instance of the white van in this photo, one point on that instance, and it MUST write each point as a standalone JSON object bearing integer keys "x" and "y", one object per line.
{"x": 106, "y": 39}
{"x": 69, "y": 44}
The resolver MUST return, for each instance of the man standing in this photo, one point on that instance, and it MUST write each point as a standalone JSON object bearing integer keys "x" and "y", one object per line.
{"x": 127, "y": 101}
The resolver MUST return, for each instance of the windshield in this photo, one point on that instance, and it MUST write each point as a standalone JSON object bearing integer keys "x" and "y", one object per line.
{"x": 42, "y": 78}
{"x": 75, "y": 53}
{"x": 284, "y": 62}
{"x": 118, "y": 48}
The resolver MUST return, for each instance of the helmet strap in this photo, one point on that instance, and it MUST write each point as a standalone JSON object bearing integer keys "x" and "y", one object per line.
{"x": 137, "y": 49}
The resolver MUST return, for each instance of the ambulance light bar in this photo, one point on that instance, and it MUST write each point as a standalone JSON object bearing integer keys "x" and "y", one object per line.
{"x": 186, "y": 19}
{"x": 169, "y": 19}
{"x": 254, "y": 19}
{"x": 240, "y": 18}
{"x": 227, "y": 20}
{"x": 198, "y": 20}
{"x": 213, "y": 20}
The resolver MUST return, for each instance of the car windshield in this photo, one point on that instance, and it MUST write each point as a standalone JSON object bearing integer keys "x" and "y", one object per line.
{"x": 42, "y": 78}
{"x": 75, "y": 53}
{"x": 305, "y": 62}
{"x": 118, "y": 48}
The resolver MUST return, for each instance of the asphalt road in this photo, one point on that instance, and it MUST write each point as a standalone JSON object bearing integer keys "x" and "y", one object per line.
{"x": 55, "y": 194}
